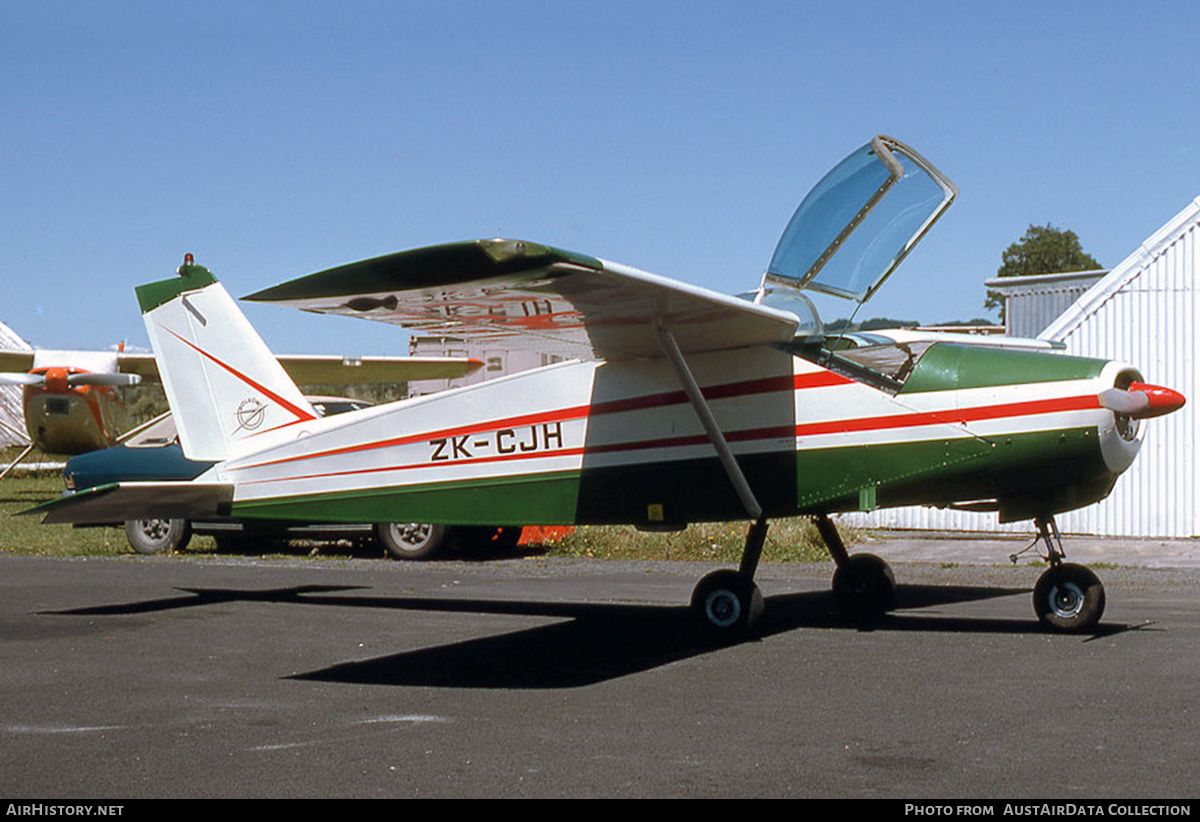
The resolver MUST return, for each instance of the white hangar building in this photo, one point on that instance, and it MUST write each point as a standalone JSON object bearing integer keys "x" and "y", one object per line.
{"x": 12, "y": 411}
{"x": 1143, "y": 311}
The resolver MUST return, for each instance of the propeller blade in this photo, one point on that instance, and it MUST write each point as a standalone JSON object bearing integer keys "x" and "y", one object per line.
{"x": 13, "y": 378}
{"x": 103, "y": 379}
{"x": 1126, "y": 403}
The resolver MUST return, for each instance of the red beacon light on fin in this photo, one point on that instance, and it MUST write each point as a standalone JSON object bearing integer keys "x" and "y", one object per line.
{"x": 188, "y": 262}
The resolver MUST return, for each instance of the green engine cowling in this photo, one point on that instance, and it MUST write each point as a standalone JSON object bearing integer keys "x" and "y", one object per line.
{"x": 1068, "y": 450}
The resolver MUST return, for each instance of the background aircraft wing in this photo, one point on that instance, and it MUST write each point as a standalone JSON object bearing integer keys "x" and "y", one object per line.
{"x": 11, "y": 360}
{"x": 141, "y": 364}
{"x": 333, "y": 370}
{"x": 320, "y": 369}
{"x": 516, "y": 294}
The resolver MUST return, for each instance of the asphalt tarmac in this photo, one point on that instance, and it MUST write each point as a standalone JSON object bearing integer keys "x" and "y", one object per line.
{"x": 136, "y": 677}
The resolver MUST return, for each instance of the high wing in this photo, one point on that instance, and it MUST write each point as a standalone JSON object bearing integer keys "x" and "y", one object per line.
{"x": 525, "y": 295}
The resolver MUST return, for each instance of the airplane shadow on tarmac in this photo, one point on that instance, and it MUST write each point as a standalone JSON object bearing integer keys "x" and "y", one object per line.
{"x": 594, "y": 642}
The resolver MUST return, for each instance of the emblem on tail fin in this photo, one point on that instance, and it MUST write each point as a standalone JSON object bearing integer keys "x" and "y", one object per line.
{"x": 250, "y": 415}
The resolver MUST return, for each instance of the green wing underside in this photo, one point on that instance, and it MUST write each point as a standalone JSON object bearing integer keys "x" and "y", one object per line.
{"x": 439, "y": 266}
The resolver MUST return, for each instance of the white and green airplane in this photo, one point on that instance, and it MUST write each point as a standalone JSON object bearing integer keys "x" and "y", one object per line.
{"x": 671, "y": 404}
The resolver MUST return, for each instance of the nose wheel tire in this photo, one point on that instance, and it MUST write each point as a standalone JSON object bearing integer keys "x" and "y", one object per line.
{"x": 727, "y": 602}
{"x": 1068, "y": 598}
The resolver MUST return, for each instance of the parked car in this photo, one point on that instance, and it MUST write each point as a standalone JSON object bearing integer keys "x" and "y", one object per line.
{"x": 152, "y": 452}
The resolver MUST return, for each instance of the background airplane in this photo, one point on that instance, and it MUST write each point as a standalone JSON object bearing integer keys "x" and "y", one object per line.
{"x": 72, "y": 404}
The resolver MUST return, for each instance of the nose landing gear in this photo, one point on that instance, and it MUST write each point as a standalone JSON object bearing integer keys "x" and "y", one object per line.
{"x": 1067, "y": 597}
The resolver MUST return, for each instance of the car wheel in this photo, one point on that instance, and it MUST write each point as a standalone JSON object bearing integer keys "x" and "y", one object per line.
{"x": 158, "y": 536}
{"x": 411, "y": 540}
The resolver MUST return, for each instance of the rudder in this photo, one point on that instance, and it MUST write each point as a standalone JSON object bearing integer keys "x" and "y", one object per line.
{"x": 223, "y": 384}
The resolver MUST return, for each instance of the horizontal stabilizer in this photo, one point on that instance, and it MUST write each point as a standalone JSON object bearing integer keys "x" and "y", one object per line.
{"x": 122, "y": 501}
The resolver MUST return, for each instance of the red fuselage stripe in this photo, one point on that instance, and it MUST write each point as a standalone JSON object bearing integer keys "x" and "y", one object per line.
{"x": 958, "y": 416}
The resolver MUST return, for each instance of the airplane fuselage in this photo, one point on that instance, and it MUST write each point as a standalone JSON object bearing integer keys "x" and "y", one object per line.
{"x": 619, "y": 442}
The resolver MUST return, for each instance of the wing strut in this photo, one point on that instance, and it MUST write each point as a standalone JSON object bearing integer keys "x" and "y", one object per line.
{"x": 758, "y": 530}
{"x": 13, "y": 464}
{"x": 692, "y": 389}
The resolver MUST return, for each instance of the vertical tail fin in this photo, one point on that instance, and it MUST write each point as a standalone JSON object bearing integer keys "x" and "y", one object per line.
{"x": 224, "y": 386}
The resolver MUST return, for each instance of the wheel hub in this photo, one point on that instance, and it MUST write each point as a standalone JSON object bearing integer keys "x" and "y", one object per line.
{"x": 1066, "y": 599}
{"x": 722, "y": 608}
{"x": 155, "y": 529}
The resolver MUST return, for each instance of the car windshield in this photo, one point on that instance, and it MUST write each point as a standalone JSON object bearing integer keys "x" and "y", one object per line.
{"x": 161, "y": 430}
{"x": 156, "y": 433}
{"x": 860, "y": 221}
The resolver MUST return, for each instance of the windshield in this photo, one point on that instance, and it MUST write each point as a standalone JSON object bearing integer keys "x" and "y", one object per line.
{"x": 892, "y": 360}
{"x": 873, "y": 359}
{"x": 860, "y": 221}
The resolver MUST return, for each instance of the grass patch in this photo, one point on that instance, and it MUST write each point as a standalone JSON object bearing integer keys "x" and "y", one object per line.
{"x": 26, "y": 536}
{"x": 788, "y": 540}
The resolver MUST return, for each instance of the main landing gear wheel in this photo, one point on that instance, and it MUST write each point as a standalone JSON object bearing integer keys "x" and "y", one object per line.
{"x": 1068, "y": 598}
{"x": 727, "y": 602}
{"x": 864, "y": 586}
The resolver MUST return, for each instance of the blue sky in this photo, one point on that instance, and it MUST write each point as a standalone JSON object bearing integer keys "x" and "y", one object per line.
{"x": 274, "y": 139}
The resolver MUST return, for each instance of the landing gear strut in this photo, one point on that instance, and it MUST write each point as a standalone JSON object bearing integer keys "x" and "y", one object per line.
{"x": 729, "y": 602}
{"x": 1067, "y": 597}
{"x": 863, "y": 584}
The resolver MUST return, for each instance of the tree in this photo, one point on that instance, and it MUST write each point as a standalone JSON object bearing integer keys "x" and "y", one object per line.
{"x": 1043, "y": 250}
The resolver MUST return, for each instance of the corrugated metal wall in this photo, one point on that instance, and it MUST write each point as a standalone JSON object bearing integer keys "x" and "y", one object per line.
{"x": 1027, "y": 313}
{"x": 1145, "y": 314}
{"x": 1149, "y": 322}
